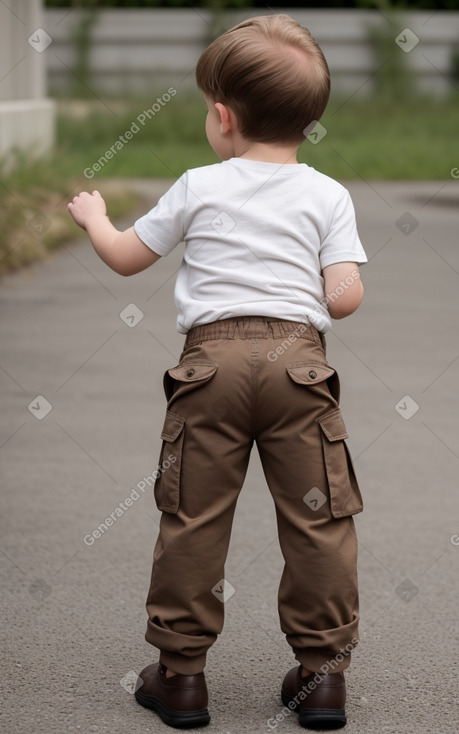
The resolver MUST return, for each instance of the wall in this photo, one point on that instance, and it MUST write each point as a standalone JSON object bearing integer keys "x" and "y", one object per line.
{"x": 27, "y": 118}
{"x": 139, "y": 50}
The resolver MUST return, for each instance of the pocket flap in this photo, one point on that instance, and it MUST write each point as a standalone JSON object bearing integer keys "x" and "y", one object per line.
{"x": 332, "y": 424}
{"x": 308, "y": 373}
{"x": 191, "y": 371}
{"x": 173, "y": 426}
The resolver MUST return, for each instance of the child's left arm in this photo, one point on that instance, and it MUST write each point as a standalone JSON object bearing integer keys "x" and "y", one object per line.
{"x": 343, "y": 289}
{"x": 124, "y": 252}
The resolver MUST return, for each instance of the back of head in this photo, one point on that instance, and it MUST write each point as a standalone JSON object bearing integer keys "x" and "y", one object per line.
{"x": 272, "y": 73}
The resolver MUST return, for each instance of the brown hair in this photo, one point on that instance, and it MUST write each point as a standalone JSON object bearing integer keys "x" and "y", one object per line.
{"x": 272, "y": 73}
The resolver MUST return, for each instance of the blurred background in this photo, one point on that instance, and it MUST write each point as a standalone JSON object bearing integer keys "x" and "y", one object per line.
{"x": 102, "y": 95}
{"x": 77, "y": 76}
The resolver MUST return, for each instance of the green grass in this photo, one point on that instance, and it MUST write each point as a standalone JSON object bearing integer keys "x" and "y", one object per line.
{"x": 415, "y": 139}
{"x": 366, "y": 138}
{"x": 33, "y": 209}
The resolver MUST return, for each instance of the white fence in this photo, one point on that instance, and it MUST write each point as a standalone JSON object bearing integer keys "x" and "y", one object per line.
{"x": 144, "y": 50}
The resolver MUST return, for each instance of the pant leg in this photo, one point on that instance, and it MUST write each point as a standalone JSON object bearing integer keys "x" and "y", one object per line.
{"x": 205, "y": 453}
{"x": 310, "y": 475}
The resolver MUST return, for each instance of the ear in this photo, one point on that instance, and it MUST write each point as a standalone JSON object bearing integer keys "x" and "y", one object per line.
{"x": 228, "y": 122}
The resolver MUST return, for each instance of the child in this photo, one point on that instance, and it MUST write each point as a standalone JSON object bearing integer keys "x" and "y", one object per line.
{"x": 271, "y": 255}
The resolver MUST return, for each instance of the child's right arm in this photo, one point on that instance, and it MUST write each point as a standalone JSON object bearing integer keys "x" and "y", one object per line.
{"x": 124, "y": 252}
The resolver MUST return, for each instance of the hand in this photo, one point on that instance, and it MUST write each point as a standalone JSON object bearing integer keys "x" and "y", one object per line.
{"x": 84, "y": 206}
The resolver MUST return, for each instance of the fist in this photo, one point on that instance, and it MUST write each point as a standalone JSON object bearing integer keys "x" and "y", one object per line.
{"x": 85, "y": 205}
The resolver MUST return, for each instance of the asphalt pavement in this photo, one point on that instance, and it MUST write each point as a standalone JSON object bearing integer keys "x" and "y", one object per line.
{"x": 82, "y": 355}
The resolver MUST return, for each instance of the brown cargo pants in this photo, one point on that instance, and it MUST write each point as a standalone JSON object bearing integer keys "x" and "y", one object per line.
{"x": 242, "y": 380}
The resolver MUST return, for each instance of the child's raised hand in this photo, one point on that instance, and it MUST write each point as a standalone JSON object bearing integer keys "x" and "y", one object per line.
{"x": 85, "y": 205}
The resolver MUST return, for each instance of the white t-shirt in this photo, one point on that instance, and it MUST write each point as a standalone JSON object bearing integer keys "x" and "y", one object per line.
{"x": 257, "y": 236}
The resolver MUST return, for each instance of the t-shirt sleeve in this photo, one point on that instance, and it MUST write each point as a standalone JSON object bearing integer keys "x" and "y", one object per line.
{"x": 162, "y": 228}
{"x": 342, "y": 242}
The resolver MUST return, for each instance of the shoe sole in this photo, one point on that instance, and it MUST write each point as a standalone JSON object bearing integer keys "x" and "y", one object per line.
{"x": 177, "y": 719}
{"x": 316, "y": 718}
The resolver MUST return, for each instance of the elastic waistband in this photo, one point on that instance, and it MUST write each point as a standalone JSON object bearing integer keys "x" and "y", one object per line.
{"x": 252, "y": 327}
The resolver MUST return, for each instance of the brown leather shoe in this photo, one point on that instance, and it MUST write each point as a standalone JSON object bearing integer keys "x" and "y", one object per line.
{"x": 319, "y": 699}
{"x": 181, "y": 701}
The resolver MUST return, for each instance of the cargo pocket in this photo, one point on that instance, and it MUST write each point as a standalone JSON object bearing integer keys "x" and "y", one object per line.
{"x": 309, "y": 373}
{"x": 313, "y": 373}
{"x": 167, "y": 484}
{"x": 345, "y": 497}
{"x": 187, "y": 376}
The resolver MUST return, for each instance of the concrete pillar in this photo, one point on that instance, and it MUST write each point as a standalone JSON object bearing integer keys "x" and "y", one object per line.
{"x": 27, "y": 117}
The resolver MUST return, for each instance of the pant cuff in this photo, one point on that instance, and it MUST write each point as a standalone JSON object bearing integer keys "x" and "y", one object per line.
{"x": 319, "y": 661}
{"x": 181, "y": 663}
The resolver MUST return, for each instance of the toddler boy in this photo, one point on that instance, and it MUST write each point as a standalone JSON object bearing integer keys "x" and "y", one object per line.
{"x": 271, "y": 255}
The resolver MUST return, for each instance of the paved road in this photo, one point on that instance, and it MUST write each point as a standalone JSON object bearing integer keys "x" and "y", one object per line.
{"x": 73, "y": 616}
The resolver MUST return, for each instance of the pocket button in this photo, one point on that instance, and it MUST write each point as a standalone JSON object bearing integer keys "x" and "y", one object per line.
{"x": 312, "y": 374}
{"x": 189, "y": 373}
